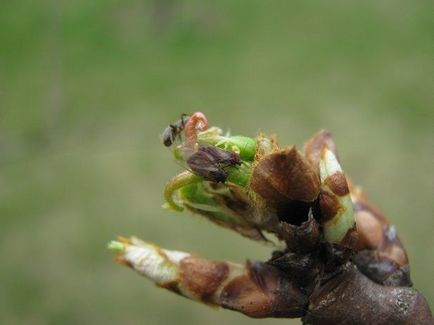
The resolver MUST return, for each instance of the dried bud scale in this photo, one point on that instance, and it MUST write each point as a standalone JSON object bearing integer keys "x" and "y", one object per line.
{"x": 301, "y": 238}
{"x": 381, "y": 255}
{"x": 284, "y": 175}
{"x": 335, "y": 202}
{"x": 330, "y": 271}
{"x": 314, "y": 146}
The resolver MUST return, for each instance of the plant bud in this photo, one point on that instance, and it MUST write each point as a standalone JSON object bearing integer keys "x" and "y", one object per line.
{"x": 335, "y": 202}
{"x": 381, "y": 255}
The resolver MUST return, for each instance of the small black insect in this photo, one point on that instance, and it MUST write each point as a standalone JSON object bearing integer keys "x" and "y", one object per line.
{"x": 210, "y": 162}
{"x": 174, "y": 130}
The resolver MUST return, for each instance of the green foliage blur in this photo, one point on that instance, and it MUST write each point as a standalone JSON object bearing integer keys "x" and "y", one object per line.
{"x": 86, "y": 88}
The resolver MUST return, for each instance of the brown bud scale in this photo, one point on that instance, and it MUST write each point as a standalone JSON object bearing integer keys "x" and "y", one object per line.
{"x": 314, "y": 146}
{"x": 202, "y": 277}
{"x": 329, "y": 205}
{"x": 285, "y": 175}
{"x": 337, "y": 184}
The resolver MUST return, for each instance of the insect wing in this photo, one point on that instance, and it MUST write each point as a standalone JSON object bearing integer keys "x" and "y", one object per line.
{"x": 203, "y": 164}
{"x": 201, "y": 160}
{"x": 220, "y": 156}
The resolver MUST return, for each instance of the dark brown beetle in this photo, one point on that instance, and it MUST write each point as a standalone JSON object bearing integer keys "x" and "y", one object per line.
{"x": 174, "y": 130}
{"x": 210, "y": 162}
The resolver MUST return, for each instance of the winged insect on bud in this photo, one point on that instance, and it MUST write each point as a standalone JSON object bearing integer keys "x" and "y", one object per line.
{"x": 210, "y": 163}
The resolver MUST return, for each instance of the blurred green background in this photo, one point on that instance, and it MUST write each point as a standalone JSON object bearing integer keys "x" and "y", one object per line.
{"x": 86, "y": 88}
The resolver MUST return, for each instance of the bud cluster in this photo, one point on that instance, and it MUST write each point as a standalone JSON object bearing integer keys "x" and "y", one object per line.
{"x": 342, "y": 262}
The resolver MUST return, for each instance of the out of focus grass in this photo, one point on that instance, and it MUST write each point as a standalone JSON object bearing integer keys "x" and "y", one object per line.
{"x": 86, "y": 87}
